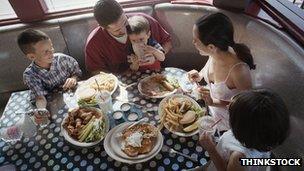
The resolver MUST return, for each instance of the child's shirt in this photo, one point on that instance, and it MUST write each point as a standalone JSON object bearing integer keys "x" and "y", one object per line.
{"x": 156, "y": 65}
{"x": 41, "y": 81}
{"x": 228, "y": 144}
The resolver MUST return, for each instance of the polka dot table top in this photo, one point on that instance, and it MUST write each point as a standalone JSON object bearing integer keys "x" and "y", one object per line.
{"x": 48, "y": 150}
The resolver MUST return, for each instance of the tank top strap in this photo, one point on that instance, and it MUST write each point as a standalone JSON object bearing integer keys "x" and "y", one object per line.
{"x": 233, "y": 66}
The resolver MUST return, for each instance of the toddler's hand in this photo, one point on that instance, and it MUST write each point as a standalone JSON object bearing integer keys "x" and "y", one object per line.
{"x": 69, "y": 83}
{"x": 194, "y": 76}
{"x": 205, "y": 140}
{"x": 149, "y": 49}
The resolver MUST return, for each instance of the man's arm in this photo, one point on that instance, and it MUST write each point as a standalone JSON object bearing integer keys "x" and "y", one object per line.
{"x": 167, "y": 46}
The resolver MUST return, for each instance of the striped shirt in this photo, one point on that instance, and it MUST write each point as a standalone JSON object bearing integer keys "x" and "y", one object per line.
{"x": 41, "y": 81}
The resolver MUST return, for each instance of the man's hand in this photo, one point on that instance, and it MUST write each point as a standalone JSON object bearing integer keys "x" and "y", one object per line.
{"x": 70, "y": 83}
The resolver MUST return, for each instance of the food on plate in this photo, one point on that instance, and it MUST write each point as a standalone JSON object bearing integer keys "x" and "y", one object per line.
{"x": 158, "y": 85}
{"x": 189, "y": 117}
{"x": 138, "y": 139}
{"x": 102, "y": 81}
{"x": 180, "y": 114}
{"x": 87, "y": 97}
{"x": 85, "y": 125}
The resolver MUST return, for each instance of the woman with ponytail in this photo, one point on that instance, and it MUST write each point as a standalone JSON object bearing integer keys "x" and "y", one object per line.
{"x": 227, "y": 71}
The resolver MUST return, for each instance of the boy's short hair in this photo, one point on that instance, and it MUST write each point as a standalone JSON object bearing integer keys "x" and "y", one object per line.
{"x": 107, "y": 12}
{"x": 30, "y": 37}
{"x": 137, "y": 24}
{"x": 259, "y": 119}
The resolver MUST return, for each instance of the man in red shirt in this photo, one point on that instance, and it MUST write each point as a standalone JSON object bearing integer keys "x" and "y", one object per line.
{"x": 107, "y": 45}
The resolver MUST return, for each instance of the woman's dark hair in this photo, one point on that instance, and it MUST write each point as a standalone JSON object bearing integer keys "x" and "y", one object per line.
{"x": 107, "y": 12}
{"x": 28, "y": 38}
{"x": 259, "y": 119}
{"x": 217, "y": 29}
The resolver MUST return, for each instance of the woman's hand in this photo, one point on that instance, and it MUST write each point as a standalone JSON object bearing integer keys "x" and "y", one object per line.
{"x": 205, "y": 140}
{"x": 194, "y": 76}
{"x": 205, "y": 93}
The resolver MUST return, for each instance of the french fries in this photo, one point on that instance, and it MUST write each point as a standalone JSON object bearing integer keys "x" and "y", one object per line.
{"x": 177, "y": 114}
{"x": 105, "y": 82}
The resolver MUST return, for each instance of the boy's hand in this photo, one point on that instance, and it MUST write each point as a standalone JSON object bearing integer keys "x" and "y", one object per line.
{"x": 205, "y": 140}
{"x": 40, "y": 118}
{"x": 70, "y": 83}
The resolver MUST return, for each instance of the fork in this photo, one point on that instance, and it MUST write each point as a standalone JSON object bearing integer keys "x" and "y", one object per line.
{"x": 171, "y": 150}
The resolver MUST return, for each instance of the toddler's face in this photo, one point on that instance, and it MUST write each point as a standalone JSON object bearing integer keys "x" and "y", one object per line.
{"x": 141, "y": 38}
{"x": 44, "y": 52}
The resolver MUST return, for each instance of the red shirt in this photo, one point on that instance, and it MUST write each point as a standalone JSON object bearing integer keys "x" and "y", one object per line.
{"x": 103, "y": 52}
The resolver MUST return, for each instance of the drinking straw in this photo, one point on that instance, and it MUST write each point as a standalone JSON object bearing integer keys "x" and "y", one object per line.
{"x": 211, "y": 126}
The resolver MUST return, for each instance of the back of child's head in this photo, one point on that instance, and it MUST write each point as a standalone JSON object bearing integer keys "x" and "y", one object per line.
{"x": 259, "y": 119}
{"x": 28, "y": 38}
{"x": 138, "y": 24}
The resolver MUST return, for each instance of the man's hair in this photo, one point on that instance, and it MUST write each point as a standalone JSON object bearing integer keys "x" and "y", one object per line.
{"x": 259, "y": 119}
{"x": 137, "y": 24}
{"x": 107, "y": 12}
{"x": 28, "y": 38}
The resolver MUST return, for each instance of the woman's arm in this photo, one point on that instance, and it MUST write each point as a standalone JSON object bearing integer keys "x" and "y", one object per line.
{"x": 241, "y": 77}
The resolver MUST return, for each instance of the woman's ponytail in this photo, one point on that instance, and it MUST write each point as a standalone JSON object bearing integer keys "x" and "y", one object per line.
{"x": 244, "y": 54}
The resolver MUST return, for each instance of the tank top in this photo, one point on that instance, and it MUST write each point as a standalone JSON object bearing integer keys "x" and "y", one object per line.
{"x": 221, "y": 91}
{"x": 228, "y": 144}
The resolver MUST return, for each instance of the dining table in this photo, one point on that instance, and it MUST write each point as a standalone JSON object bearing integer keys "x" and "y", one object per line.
{"x": 48, "y": 149}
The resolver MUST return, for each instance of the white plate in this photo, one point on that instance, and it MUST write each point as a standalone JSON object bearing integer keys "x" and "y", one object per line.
{"x": 185, "y": 84}
{"x": 86, "y": 84}
{"x": 83, "y": 144}
{"x": 111, "y": 139}
{"x": 160, "y": 113}
{"x": 157, "y": 97}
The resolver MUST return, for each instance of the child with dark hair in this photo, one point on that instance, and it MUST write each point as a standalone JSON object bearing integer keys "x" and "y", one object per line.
{"x": 48, "y": 70}
{"x": 227, "y": 71}
{"x": 144, "y": 51}
{"x": 259, "y": 122}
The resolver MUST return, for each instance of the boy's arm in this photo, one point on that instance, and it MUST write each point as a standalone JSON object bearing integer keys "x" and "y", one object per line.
{"x": 41, "y": 102}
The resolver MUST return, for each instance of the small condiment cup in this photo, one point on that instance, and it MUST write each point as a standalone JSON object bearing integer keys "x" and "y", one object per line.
{"x": 125, "y": 107}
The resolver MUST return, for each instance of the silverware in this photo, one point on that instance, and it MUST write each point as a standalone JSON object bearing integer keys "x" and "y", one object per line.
{"x": 171, "y": 150}
{"x": 137, "y": 122}
{"x": 126, "y": 85}
{"x": 137, "y": 105}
